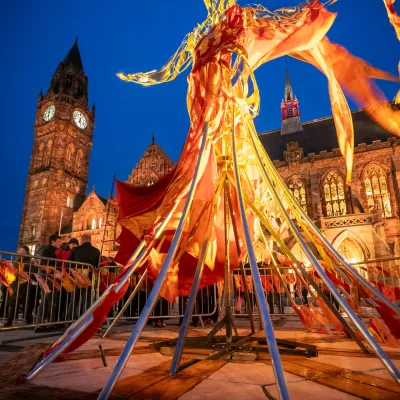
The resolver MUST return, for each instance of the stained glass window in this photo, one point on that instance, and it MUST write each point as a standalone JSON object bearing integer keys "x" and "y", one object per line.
{"x": 334, "y": 194}
{"x": 377, "y": 191}
{"x": 298, "y": 190}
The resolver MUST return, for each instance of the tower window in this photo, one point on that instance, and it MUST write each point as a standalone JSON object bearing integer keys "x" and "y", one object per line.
{"x": 79, "y": 162}
{"x": 100, "y": 222}
{"x": 70, "y": 202}
{"x": 68, "y": 79}
{"x": 33, "y": 230}
{"x": 70, "y": 155}
{"x": 94, "y": 223}
{"x": 376, "y": 191}
{"x": 39, "y": 156}
{"x": 334, "y": 194}
{"x": 47, "y": 153}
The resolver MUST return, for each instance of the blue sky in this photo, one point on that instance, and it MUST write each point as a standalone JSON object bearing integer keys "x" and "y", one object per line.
{"x": 131, "y": 36}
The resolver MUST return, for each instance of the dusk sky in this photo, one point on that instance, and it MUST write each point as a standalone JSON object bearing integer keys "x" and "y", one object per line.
{"x": 132, "y": 36}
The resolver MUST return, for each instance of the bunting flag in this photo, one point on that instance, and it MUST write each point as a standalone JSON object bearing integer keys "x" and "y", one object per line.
{"x": 7, "y": 275}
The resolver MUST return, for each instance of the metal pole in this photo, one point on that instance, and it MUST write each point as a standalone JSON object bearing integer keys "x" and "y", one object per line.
{"x": 193, "y": 292}
{"x": 352, "y": 315}
{"x": 151, "y": 301}
{"x": 227, "y": 283}
{"x": 249, "y": 306}
{"x": 266, "y": 320}
{"x": 316, "y": 231}
{"x": 59, "y": 227}
{"x": 304, "y": 276}
{"x": 132, "y": 295}
{"x": 94, "y": 306}
{"x": 72, "y": 332}
{"x": 60, "y": 348}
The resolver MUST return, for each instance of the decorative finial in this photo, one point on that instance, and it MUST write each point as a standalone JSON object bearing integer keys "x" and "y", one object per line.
{"x": 94, "y": 188}
{"x": 152, "y": 139}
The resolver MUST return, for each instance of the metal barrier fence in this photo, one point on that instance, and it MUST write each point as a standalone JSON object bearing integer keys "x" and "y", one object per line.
{"x": 58, "y": 292}
{"x": 132, "y": 303}
{"x": 384, "y": 273}
{"x": 43, "y": 291}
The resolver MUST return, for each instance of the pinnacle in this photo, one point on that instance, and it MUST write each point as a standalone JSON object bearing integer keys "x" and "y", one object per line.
{"x": 74, "y": 56}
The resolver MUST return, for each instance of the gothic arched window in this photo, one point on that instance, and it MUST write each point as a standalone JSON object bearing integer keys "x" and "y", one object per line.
{"x": 81, "y": 87}
{"x": 47, "y": 153}
{"x": 334, "y": 194}
{"x": 376, "y": 190}
{"x": 39, "y": 156}
{"x": 79, "y": 162}
{"x": 91, "y": 221}
{"x": 69, "y": 156}
{"x": 298, "y": 190}
{"x": 68, "y": 79}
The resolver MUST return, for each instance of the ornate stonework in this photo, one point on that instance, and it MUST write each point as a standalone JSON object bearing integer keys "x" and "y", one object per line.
{"x": 152, "y": 166}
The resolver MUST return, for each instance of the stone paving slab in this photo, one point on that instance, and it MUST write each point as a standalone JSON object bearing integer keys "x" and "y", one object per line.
{"x": 354, "y": 363}
{"x": 216, "y": 389}
{"x": 310, "y": 391}
{"x": 234, "y": 381}
{"x": 253, "y": 373}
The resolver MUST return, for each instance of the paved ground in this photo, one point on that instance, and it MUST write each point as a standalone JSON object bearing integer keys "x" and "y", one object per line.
{"x": 235, "y": 380}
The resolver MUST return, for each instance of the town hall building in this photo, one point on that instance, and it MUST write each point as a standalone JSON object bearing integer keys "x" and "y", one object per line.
{"x": 361, "y": 221}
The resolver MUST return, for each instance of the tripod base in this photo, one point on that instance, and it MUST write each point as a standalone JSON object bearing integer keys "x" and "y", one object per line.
{"x": 253, "y": 344}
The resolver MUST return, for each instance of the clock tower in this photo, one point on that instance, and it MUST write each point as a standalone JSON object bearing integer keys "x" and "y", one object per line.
{"x": 63, "y": 136}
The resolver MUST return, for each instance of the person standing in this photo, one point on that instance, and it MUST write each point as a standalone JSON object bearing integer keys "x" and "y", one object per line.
{"x": 21, "y": 295}
{"x": 49, "y": 302}
{"x": 85, "y": 253}
{"x": 63, "y": 254}
{"x": 88, "y": 254}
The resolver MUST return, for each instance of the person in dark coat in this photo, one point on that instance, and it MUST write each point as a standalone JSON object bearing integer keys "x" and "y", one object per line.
{"x": 88, "y": 254}
{"x": 49, "y": 302}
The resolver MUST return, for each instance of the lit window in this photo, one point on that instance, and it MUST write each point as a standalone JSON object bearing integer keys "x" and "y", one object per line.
{"x": 377, "y": 192}
{"x": 100, "y": 222}
{"x": 70, "y": 202}
{"x": 334, "y": 194}
{"x": 94, "y": 223}
{"x": 32, "y": 248}
{"x": 298, "y": 190}
{"x": 33, "y": 230}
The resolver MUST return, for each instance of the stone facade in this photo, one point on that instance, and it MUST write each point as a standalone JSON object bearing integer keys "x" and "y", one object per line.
{"x": 365, "y": 231}
{"x": 152, "y": 166}
{"x": 58, "y": 172}
{"x": 361, "y": 221}
{"x": 98, "y": 216}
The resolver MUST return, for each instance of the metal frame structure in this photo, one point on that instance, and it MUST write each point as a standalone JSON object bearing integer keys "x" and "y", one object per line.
{"x": 230, "y": 173}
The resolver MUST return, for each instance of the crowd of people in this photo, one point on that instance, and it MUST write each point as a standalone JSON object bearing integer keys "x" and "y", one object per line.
{"x": 50, "y": 302}
{"x": 41, "y": 298}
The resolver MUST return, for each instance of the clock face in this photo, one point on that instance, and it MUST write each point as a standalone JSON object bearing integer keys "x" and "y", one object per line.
{"x": 79, "y": 119}
{"x": 49, "y": 112}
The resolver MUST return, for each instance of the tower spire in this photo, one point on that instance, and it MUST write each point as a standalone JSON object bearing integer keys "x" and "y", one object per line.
{"x": 74, "y": 56}
{"x": 288, "y": 87}
{"x": 290, "y": 108}
{"x": 152, "y": 139}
